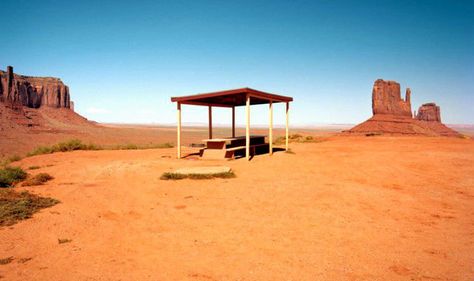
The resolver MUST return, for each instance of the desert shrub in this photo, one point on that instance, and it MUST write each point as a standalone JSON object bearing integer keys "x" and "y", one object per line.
{"x": 14, "y": 158}
{"x": 147, "y": 146}
{"x": 373, "y": 134}
{"x": 70, "y": 145}
{"x": 6, "y": 260}
{"x": 297, "y": 138}
{"x": 76, "y": 144}
{"x": 64, "y": 240}
{"x": 40, "y": 150}
{"x": 6, "y": 161}
{"x": 176, "y": 176}
{"x": 163, "y": 145}
{"x": 33, "y": 167}
{"x": 172, "y": 176}
{"x": 128, "y": 147}
{"x": 38, "y": 179}
{"x": 223, "y": 175}
{"x": 16, "y": 206}
{"x": 11, "y": 175}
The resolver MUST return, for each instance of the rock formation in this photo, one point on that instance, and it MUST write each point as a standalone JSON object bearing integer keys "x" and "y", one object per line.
{"x": 393, "y": 115}
{"x": 35, "y": 103}
{"x": 429, "y": 112}
{"x": 386, "y": 99}
{"x": 33, "y": 92}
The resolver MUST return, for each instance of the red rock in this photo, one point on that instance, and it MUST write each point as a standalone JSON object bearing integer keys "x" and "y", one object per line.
{"x": 392, "y": 115}
{"x": 36, "y": 103}
{"x": 429, "y": 112}
{"x": 386, "y": 99}
{"x": 33, "y": 92}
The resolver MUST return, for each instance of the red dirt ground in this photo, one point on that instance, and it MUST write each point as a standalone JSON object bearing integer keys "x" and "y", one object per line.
{"x": 350, "y": 208}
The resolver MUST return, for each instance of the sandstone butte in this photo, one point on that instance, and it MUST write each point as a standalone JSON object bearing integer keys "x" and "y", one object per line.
{"x": 27, "y": 101}
{"x": 393, "y": 115}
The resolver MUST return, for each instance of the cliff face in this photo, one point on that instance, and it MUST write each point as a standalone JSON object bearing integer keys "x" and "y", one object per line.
{"x": 33, "y": 92}
{"x": 386, "y": 99}
{"x": 429, "y": 112}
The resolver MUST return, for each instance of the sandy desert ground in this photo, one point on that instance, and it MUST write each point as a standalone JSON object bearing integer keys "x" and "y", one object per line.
{"x": 349, "y": 208}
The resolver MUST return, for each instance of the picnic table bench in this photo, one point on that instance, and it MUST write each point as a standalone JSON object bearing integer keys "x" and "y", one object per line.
{"x": 218, "y": 148}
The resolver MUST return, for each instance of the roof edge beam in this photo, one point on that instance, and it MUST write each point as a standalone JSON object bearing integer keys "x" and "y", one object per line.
{"x": 205, "y": 103}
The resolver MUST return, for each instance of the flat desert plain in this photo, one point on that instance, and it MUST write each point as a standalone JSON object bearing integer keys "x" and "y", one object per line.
{"x": 348, "y": 208}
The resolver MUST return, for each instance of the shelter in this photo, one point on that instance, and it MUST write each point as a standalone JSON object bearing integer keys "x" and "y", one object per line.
{"x": 231, "y": 99}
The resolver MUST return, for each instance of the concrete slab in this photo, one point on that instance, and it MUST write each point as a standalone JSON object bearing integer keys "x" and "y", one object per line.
{"x": 203, "y": 170}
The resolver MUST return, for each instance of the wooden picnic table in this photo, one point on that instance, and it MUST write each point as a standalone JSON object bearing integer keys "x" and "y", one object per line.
{"x": 227, "y": 147}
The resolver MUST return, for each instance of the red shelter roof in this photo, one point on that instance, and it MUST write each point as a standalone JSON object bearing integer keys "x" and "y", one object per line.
{"x": 230, "y": 98}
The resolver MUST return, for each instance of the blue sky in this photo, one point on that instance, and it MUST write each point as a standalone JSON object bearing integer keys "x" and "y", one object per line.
{"x": 123, "y": 60}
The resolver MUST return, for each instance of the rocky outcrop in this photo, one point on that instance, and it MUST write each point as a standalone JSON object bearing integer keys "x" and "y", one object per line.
{"x": 393, "y": 115}
{"x": 36, "y": 104}
{"x": 429, "y": 112}
{"x": 386, "y": 99}
{"x": 33, "y": 92}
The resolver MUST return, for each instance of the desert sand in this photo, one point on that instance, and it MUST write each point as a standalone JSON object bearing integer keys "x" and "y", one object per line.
{"x": 348, "y": 208}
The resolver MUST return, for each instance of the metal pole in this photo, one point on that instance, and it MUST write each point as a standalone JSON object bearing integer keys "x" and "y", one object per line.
{"x": 210, "y": 122}
{"x": 270, "y": 129}
{"x": 287, "y": 124}
{"x": 179, "y": 131}
{"x": 247, "y": 128}
{"x": 233, "y": 121}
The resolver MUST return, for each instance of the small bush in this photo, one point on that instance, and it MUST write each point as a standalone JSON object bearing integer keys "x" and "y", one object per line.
{"x": 40, "y": 150}
{"x": 65, "y": 240}
{"x": 176, "y": 176}
{"x": 38, "y": 179}
{"x": 200, "y": 176}
{"x": 70, "y": 145}
{"x": 76, "y": 144}
{"x": 6, "y": 260}
{"x": 134, "y": 146}
{"x": 297, "y": 138}
{"x": 16, "y": 206}
{"x": 224, "y": 175}
{"x": 33, "y": 167}
{"x": 373, "y": 134}
{"x": 5, "y": 162}
{"x": 14, "y": 158}
{"x": 129, "y": 147}
{"x": 172, "y": 176}
{"x": 11, "y": 175}
{"x": 163, "y": 145}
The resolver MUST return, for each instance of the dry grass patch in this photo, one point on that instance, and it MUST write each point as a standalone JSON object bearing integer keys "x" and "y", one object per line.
{"x": 16, "y": 206}
{"x": 65, "y": 240}
{"x": 38, "y": 179}
{"x": 70, "y": 145}
{"x": 11, "y": 175}
{"x": 135, "y": 147}
{"x": 76, "y": 144}
{"x": 298, "y": 138}
{"x": 6, "y": 260}
{"x": 178, "y": 176}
